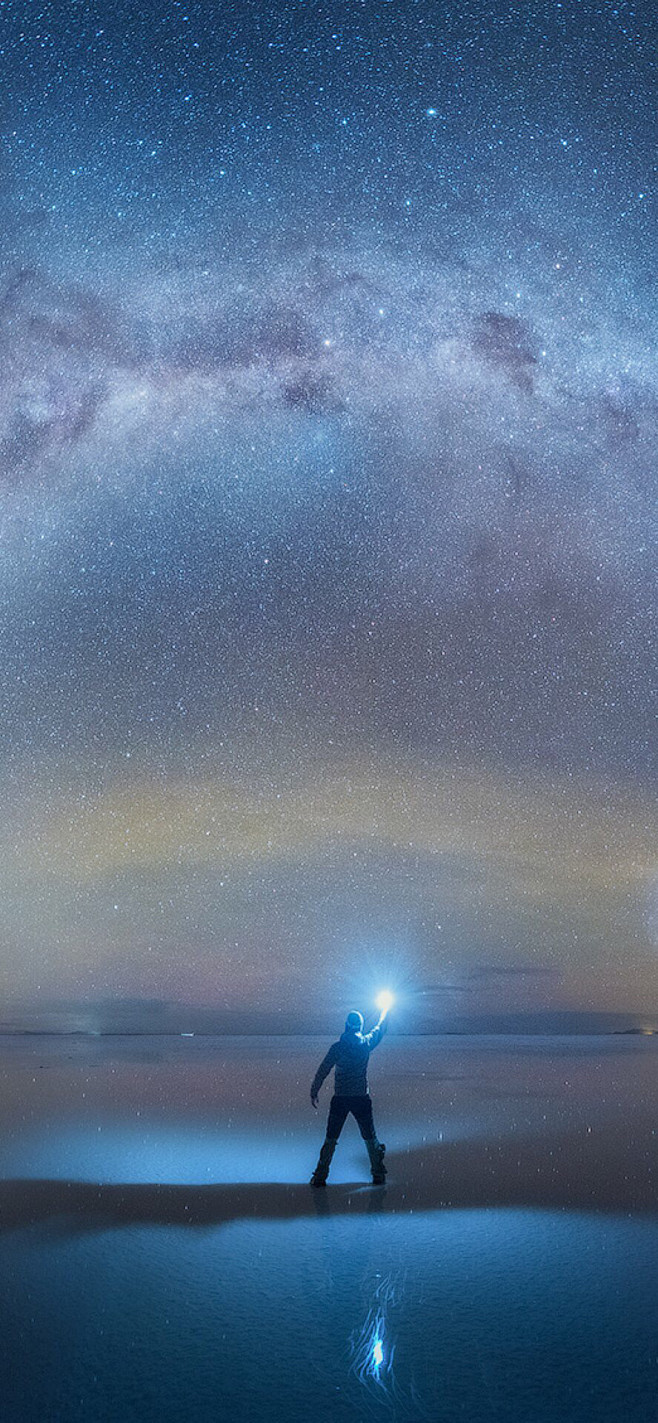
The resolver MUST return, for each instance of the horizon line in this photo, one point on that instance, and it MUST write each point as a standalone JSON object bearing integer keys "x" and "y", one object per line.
{"x": 261, "y": 1033}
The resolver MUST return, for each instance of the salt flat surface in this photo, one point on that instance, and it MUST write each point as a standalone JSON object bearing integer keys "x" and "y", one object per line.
{"x": 162, "y": 1256}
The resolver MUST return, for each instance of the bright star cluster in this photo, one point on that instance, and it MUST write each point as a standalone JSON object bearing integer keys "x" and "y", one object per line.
{"x": 328, "y": 418}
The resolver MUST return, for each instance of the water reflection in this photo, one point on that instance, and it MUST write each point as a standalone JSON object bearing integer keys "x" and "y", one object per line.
{"x": 507, "y": 1271}
{"x": 371, "y": 1348}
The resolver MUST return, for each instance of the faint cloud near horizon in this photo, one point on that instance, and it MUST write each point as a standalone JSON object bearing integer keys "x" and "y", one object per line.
{"x": 487, "y": 971}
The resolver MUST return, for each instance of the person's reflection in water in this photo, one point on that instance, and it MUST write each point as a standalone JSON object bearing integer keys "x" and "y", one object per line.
{"x": 349, "y": 1056}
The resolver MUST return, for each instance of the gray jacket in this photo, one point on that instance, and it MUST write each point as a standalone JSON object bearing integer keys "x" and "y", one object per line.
{"x": 349, "y": 1056}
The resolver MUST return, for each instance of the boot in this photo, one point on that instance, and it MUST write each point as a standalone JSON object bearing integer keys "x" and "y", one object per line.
{"x": 376, "y": 1152}
{"x": 319, "y": 1177}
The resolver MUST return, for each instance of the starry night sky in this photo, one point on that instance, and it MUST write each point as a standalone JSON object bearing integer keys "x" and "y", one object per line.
{"x": 328, "y": 428}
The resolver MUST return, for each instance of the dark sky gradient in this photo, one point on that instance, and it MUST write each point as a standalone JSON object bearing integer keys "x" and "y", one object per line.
{"x": 328, "y": 429}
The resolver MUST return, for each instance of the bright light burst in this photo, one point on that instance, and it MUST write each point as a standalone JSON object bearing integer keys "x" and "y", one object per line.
{"x": 385, "y": 1001}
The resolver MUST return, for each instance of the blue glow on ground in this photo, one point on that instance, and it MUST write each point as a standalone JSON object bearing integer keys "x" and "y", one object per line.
{"x": 113, "y": 1152}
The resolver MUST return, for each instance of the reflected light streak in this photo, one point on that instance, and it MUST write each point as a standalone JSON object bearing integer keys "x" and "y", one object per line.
{"x": 372, "y": 1354}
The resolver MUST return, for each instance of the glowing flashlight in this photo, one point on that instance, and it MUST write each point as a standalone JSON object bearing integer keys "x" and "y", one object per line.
{"x": 385, "y": 1001}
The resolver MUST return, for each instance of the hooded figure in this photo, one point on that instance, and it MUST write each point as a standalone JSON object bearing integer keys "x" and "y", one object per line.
{"x": 349, "y": 1056}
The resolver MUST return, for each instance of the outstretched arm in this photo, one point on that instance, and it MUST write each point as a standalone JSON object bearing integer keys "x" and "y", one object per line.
{"x": 374, "y": 1038}
{"x": 323, "y": 1071}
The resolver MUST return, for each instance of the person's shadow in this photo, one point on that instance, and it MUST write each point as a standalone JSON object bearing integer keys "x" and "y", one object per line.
{"x": 611, "y": 1169}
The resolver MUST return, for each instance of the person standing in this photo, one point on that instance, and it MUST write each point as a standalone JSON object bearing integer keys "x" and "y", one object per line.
{"x": 349, "y": 1056}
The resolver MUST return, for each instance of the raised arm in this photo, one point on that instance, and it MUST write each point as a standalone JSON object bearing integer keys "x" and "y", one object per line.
{"x": 374, "y": 1038}
{"x": 323, "y": 1071}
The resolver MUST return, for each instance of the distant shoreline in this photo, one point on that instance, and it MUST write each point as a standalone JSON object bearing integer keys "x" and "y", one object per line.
{"x": 421, "y": 1033}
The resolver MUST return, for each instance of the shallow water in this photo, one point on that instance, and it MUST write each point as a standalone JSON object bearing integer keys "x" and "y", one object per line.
{"x": 162, "y": 1258}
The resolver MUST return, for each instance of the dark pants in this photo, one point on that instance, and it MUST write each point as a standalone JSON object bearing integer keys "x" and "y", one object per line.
{"x": 339, "y": 1110}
